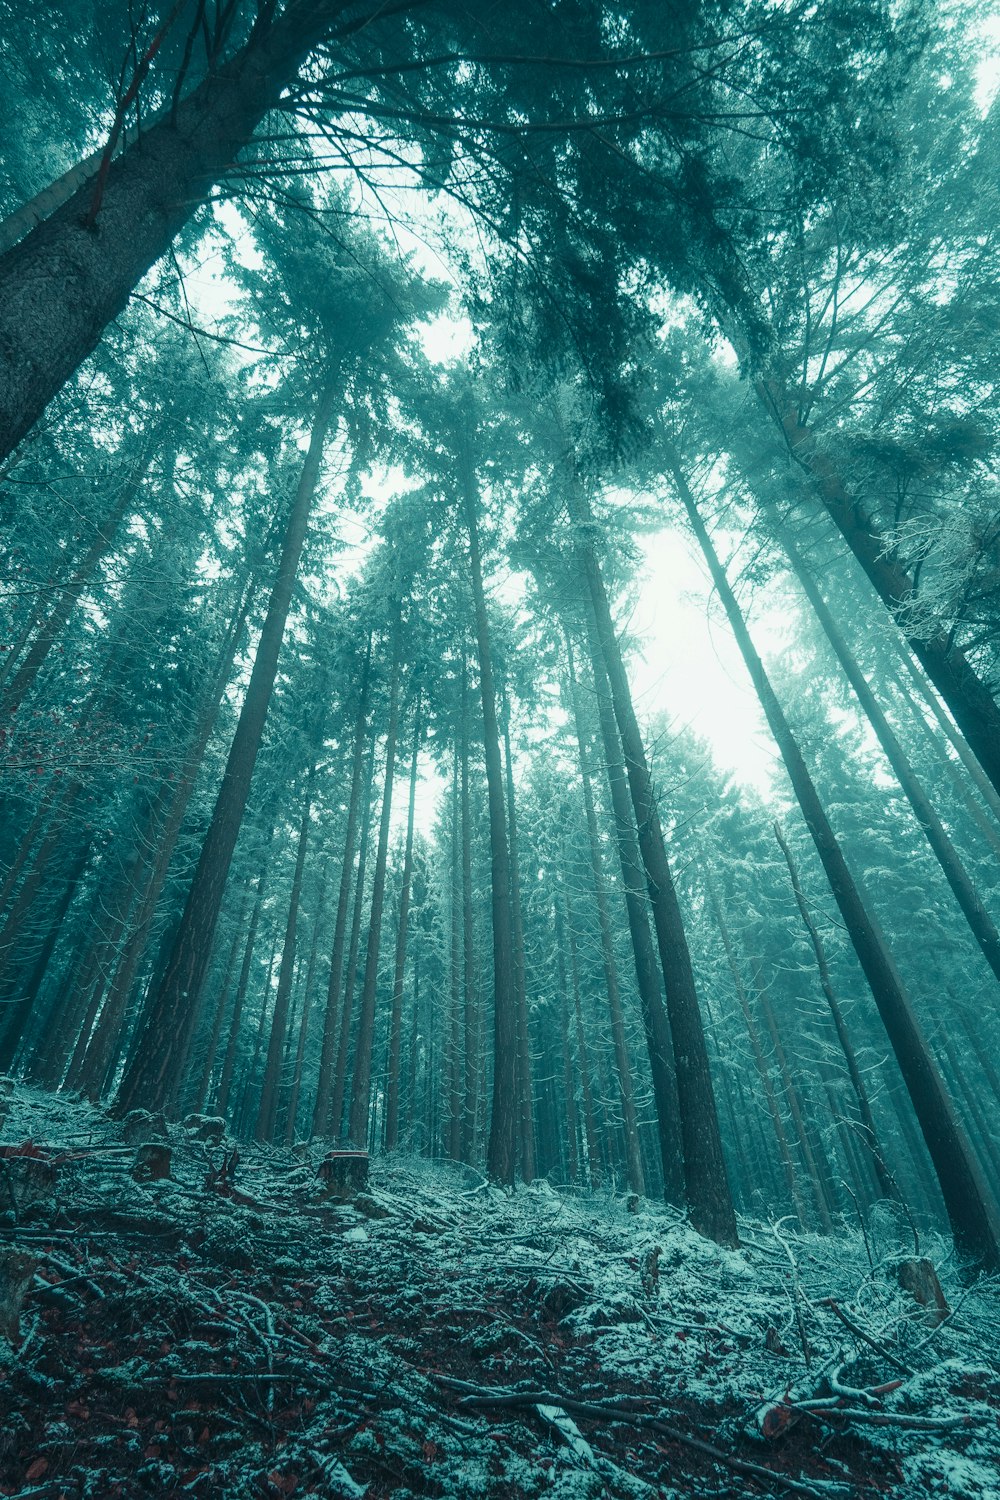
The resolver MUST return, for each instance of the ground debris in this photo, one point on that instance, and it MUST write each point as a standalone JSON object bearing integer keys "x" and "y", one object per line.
{"x": 188, "y": 1336}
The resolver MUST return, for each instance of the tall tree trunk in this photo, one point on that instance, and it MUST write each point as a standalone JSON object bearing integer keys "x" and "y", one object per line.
{"x": 361, "y": 1081}
{"x": 953, "y": 735}
{"x": 335, "y": 1121}
{"x": 974, "y": 1216}
{"x": 324, "y": 1090}
{"x": 501, "y": 1152}
{"x": 623, "y": 1067}
{"x": 525, "y": 1088}
{"x": 973, "y": 706}
{"x": 868, "y": 1133}
{"x": 399, "y": 968}
{"x": 471, "y": 1092}
{"x": 172, "y": 1006}
{"x": 569, "y": 1083}
{"x": 267, "y": 1110}
{"x": 818, "y": 1178}
{"x": 19, "y": 1012}
{"x": 760, "y": 1062}
{"x": 221, "y": 1005}
{"x": 73, "y": 274}
{"x": 980, "y": 923}
{"x": 107, "y": 1033}
{"x": 589, "y": 1122}
{"x": 295, "y": 1093}
{"x": 459, "y": 1141}
{"x": 242, "y": 986}
{"x": 707, "y": 1191}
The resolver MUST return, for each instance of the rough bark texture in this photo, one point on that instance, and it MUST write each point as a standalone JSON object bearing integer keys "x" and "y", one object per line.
{"x": 66, "y": 280}
{"x": 973, "y": 706}
{"x": 525, "y": 1087}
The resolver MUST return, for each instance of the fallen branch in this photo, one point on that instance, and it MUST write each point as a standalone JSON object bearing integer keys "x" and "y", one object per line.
{"x": 866, "y": 1338}
{"x": 474, "y": 1397}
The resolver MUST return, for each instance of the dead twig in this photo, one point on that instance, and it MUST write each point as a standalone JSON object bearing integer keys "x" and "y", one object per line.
{"x": 866, "y": 1338}
{"x": 600, "y": 1411}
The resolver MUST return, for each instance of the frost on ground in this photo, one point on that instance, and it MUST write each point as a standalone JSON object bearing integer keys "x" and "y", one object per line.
{"x": 235, "y": 1330}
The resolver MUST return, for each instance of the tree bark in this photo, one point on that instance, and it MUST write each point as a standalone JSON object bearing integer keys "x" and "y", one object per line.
{"x": 525, "y": 1089}
{"x": 67, "y": 279}
{"x": 501, "y": 1153}
{"x": 361, "y": 1081}
{"x": 947, "y": 856}
{"x": 333, "y": 1125}
{"x": 242, "y": 986}
{"x": 267, "y": 1109}
{"x": 777, "y": 1124}
{"x": 399, "y": 968}
{"x": 623, "y": 1067}
{"x": 972, "y": 1211}
{"x": 972, "y": 705}
{"x": 868, "y": 1132}
{"x": 324, "y": 1090}
{"x": 151, "y": 1078}
{"x": 707, "y": 1191}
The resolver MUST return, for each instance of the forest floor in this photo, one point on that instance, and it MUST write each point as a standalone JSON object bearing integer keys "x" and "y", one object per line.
{"x": 243, "y": 1333}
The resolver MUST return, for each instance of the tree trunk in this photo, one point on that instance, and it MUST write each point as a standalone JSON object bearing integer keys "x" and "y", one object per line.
{"x": 107, "y": 1033}
{"x": 623, "y": 1068}
{"x": 459, "y": 1141}
{"x": 242, "y": 985}
{"x": 218, "y": 1020}
{"x": 351, "y": 972}
{"x": 501, "y": 1153}
{"x": 361, "y": 1081}
{"x": 23, "y": 679}
{"x": 974, "y": 1216}
{"x": 171, "y": 1010}
{"x": 399, "y": 969}
{"x": 295, "y": 1093}
{"x": 267, "y": 1110}
{"x": 980, "y": 923}
{"x": 777, "y": 1124}
{"x": 589, "y": 1123}
{"x": 324, "y": 1090}
{"x": 973, "y": 706}
{"x": 868, "y": 1133}
{"x": 525, "y": 1088}
{"x": 471, "y": 1093}
{"x": 707, "y": 1191}
{"x": 73, "y": 274}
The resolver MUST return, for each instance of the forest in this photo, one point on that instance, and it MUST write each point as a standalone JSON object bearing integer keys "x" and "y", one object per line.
{"x": 499, "y": 748}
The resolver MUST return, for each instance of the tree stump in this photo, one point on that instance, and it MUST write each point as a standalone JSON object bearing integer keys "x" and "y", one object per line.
{"x": 208, "y": 1128}
{"x": 26, "y": 1181}
{"x": 17, "y": 1272}
{"x": 919, "y": 1278}
{"x": 343, "y": 1173}
{"x": 139, "y": 1126}
{"x": 152, "y": 1162}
